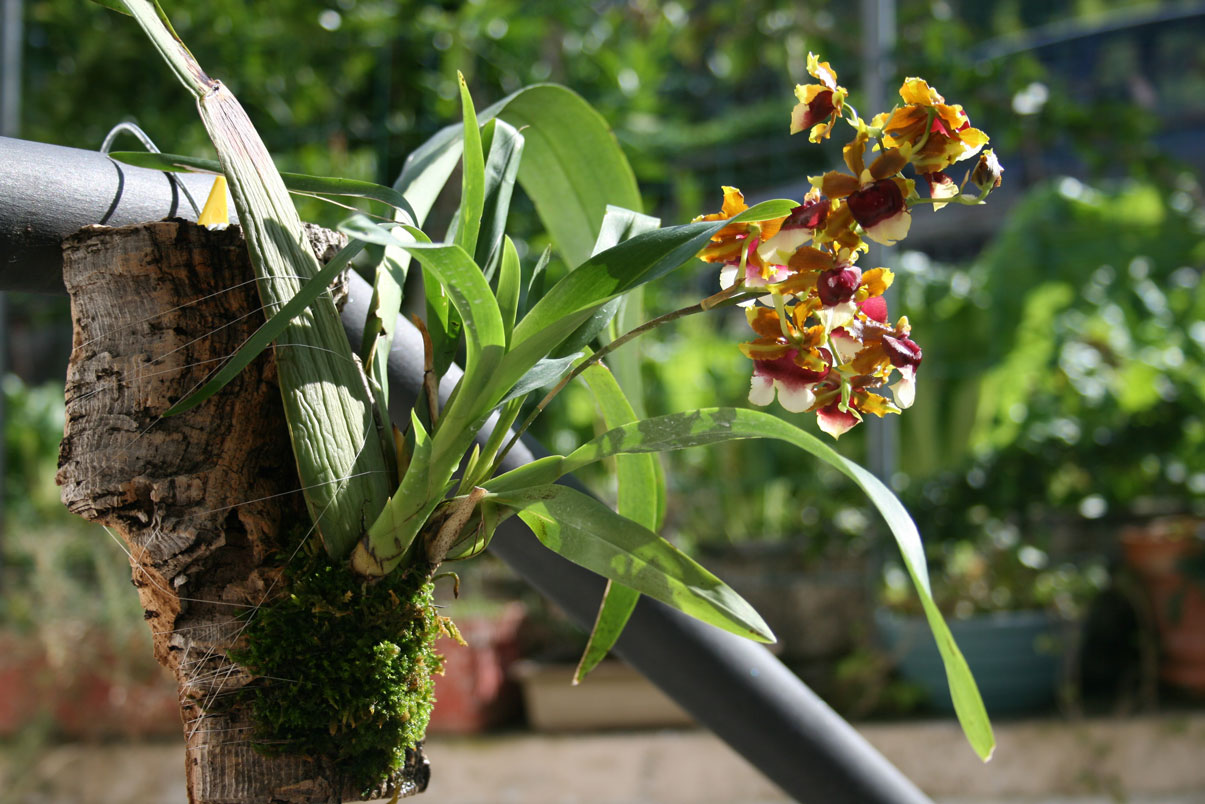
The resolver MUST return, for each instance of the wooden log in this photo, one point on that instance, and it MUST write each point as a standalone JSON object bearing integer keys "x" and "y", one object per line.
{"x": 201, "y": 499}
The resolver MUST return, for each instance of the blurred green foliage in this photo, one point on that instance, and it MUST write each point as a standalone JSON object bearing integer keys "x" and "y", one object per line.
{"x": 698, "y": 92}
{"x": 1062, "y": 369}
{"x": 1067, "y": 361}
{"x": 59, "y": 576}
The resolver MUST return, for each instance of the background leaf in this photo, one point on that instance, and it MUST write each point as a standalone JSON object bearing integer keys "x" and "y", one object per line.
{"x": 641, "y": 491}
{"x": 586, "y": 532}
{"x": 572, "y": 165}
{"x": 712, "y": 425}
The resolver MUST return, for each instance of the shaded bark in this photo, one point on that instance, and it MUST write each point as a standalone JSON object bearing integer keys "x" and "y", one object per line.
{"x": 205, "y": 501}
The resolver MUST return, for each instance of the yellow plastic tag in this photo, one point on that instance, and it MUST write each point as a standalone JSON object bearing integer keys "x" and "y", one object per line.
{"x": 215, "y": 214}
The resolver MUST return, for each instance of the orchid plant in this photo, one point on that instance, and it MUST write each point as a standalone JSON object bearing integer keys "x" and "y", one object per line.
{"x": 824, "y": 339}
{"x": 386, "y": 500}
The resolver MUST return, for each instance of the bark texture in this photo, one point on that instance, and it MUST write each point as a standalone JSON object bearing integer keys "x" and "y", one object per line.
{"x": 203, "y": 500}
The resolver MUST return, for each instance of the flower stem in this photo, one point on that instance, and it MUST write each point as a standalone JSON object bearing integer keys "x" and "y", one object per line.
{"x": 632, "y": 334}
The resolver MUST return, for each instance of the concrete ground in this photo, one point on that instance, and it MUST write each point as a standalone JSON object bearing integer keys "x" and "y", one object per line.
{"x": 1158, "y": 760}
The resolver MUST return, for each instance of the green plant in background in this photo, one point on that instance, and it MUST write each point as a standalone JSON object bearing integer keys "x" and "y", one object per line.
{"x": 1000, "y": 572}
{"x": 1075, "y": 382}
{"x": 823, "y": 345}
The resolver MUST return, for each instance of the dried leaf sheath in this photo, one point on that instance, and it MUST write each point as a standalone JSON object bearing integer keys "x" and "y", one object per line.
{"x": 340, "y": 459}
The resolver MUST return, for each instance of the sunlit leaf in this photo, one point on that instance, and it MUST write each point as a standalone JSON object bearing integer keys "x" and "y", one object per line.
{"x": 586, "y": 532}
{"x": 713, "y": 425}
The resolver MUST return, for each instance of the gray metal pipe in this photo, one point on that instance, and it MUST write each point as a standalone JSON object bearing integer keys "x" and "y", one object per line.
{"x": 734, "y": 687}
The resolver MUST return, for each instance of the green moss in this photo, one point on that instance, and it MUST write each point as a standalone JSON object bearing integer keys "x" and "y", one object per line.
{"x": 345, "y": 668}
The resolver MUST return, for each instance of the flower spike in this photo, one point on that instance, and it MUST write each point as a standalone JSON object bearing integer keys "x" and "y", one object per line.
{"x": 824, "y": 341}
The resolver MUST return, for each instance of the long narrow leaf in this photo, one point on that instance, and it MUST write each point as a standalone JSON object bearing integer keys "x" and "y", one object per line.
{"x": 270, "y": 330}
{"x": 712, "y": 425}
{"x": 295, "y": 182}
{"x": 588, "y": 533}
{"x": 472, "y": 184}
{"x": 502, "y": 162}
{"x": 510, "y": 278}
{"x": 572, "y": 165}
{"x": 637, "y": 477}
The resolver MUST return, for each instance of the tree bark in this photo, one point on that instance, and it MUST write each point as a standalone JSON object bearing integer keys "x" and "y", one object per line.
{"x": 203, "y": 499}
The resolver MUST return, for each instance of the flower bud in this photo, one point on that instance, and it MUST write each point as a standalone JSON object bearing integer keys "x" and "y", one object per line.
{"x": 987, "y": 174}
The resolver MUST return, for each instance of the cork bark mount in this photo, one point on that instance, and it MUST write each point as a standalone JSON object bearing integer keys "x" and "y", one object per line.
{"x": 203, "y": 499}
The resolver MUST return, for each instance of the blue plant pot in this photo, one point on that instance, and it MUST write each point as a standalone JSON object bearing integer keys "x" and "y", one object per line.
{"x": 1016, "y": 657}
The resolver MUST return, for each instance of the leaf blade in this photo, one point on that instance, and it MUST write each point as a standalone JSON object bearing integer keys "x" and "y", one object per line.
{"x": 713, "y": 425}
{"x": 591, "y": 535}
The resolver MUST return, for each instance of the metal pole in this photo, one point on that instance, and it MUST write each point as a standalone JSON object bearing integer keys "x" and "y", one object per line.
{"x": 10, "y": 124}
{"x": 878, "y": 45}
{"x": 730, "y": 685}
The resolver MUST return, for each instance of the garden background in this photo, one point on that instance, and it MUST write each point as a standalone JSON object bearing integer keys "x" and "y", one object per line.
{"x": 1060, "y": 398}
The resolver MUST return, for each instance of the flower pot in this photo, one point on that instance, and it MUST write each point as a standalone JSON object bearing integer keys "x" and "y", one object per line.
{"x": 476, "y": 692}
{"x": 1157, "y": 554}
{"x": 816, "y": 608}
{"x": 102, "y": 696}
{"x": 1015, "y": 656}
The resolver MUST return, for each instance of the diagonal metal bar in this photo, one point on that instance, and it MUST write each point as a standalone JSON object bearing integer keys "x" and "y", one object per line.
{"x": 734, "y": 687}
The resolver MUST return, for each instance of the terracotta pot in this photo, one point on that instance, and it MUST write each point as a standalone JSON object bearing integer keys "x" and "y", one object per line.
{"x": 101, "y": 696}
{"x": 1156, "y": 553}
{"x": 476, "y": 691}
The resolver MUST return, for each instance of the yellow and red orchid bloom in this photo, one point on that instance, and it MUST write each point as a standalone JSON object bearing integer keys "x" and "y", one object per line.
{"x": 875, "y": 196}
{"x": 789, "y": 358}
{"x": 940, "y": 134}
{"x": 820, "y": 105}
{"x": 824, "y": 342}
{"x": 837, "y": 418}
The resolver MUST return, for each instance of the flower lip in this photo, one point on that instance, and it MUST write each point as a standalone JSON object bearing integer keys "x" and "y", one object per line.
{"x": 808, "y": 215}
{"x": 838, "y": 285}
{"x": 876, "y": 203}
{"x": 902, "y": 352}
{"x": 875, "y": 308}
{"x": 819, "y": 109}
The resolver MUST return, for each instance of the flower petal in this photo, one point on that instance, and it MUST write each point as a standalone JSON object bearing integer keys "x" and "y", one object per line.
{"x": 904, "y": 390}
{"x": 890, "y": 231}
{"x": 834, "y": 421}
{"x": 761, "y": 391}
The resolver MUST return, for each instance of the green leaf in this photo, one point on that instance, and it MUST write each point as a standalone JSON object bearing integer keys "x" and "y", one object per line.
{"x": 572, "y": 165}
{"x": 510, "y": 277}
{"x": 270, "y": 330}
{"x": 472, "y": 184}
{"x": 712, "y": 425}
{"x": 298, "y": 183}
{"x": 543, "y": 373}
{"x": 639, "y": 501}
{"x": 588, "y": 533}
{"x": 501, "y": 167}
{"x": 630, "y": 264}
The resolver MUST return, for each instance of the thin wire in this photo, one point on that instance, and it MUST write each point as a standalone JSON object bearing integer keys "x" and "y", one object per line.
{"x": 131, "y": 128}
